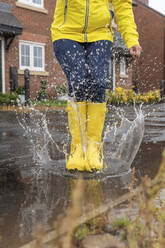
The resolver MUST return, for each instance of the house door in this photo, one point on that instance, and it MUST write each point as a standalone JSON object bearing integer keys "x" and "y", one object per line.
{"x": 0, "y": 65}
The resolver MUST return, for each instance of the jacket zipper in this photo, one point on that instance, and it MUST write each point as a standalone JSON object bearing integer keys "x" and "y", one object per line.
{"x": 110, "y": 12}
{"x": 110, "y": 25}
{"x": 65, "y": 10}
{"x": 86, "y": 21}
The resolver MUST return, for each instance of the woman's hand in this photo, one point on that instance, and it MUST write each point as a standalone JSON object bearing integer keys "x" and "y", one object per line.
{"x": 135, "y": 51}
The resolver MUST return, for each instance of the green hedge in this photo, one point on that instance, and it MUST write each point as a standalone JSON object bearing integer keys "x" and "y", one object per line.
{"x": 8, "y": 99}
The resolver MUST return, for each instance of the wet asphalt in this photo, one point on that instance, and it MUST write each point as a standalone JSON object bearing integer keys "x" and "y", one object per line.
{"x": 31, "y": 194}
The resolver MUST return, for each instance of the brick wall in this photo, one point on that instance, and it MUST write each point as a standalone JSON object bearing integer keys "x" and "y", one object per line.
{"x": 36, "y": 29}
{"x": 124, "y": 81}
{"x": 149, "y": 70}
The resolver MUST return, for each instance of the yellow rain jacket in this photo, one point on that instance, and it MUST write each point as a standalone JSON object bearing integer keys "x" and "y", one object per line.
{"x": 91, "y": 20}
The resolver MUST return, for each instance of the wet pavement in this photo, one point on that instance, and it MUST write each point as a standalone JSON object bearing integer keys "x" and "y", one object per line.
{"x": 32, "y": 194}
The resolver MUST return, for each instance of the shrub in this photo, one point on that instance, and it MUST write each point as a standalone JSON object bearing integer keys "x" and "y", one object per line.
{"x": 20, "y": 90}
{"x": 42, "y": 94}
{"x": 61, "y": 90}
{"x": 8, "y": 99}
{"x": 123, "y": 96}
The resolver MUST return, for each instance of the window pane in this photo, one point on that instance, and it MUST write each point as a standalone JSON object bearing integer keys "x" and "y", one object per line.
{"x": 25, "y": 1}
{"x": 122, "y": 66}
{"x": 37, "y": 52}
{"x": 37, "y": 2}
{"x": 25, "y": 55}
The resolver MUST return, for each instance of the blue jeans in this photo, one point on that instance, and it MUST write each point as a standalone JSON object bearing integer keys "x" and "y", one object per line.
{"x": 85, "y": 66}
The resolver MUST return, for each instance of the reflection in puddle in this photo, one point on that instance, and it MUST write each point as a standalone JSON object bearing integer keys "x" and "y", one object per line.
{"x": 48, "y": 195}
{"x": 40, "y": 201}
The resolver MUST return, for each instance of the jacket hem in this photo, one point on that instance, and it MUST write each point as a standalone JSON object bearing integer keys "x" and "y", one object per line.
{"x": 92, "y": 37}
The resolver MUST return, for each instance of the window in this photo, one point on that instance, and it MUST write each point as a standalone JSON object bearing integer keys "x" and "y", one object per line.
{"x": 35, "y": 3}
{"x": 110, "y": 66}
{"x": 32, "y": 56}
{"x": 122, "y": 66}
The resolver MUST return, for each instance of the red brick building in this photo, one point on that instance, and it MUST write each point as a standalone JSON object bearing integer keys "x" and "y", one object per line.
{"x": 120, "y": 67}
{"x": 150, "y": 69}
{"x": 31, "y": 47}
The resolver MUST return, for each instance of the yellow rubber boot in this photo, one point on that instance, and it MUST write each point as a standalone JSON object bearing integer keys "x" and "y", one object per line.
{"x": 95, "y": 123}
{"x": 77, "y": 127}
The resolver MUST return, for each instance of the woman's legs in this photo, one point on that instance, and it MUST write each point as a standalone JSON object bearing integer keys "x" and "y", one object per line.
{"x": 71, "y": 56}
{"x": 98, "y": 57}
{"x": 77, "y": 127}
{"x": 85, "y": 66}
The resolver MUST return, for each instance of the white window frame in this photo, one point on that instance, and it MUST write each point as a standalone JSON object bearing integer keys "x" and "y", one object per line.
{"x": 122, "y": 66}
{"x": 31, "y": 3}
{"x": 32, "y": 45}
{"x": 114, "y": 72}
{"x": 110, "y": 65}
{"x": 3, "y": 64}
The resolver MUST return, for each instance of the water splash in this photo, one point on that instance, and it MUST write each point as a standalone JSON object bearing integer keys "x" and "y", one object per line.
{"x": 35, "y": 125}
{"x": 122, "y": 141}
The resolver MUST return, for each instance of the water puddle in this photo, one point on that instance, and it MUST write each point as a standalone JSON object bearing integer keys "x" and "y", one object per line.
{"x": 35, "y": 187}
